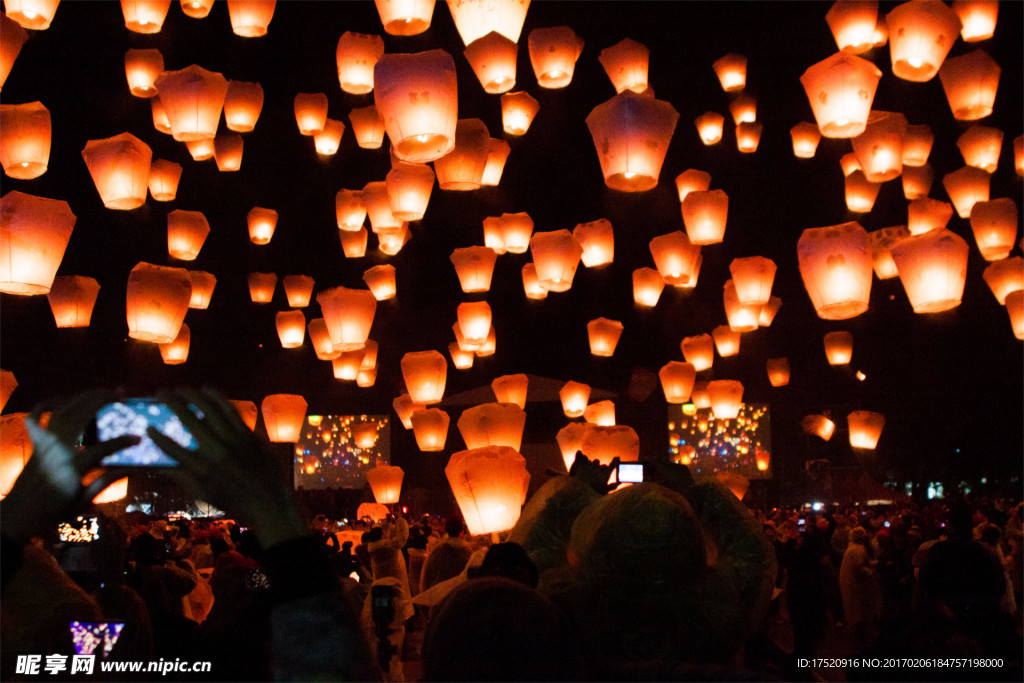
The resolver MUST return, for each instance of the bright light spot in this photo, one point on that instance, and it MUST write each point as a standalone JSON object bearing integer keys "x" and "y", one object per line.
{"x": 422, "y": 138}
{"x": 630, "y": 174}
{"x": 842, "y": 122}
{"x": 915, "y": 62}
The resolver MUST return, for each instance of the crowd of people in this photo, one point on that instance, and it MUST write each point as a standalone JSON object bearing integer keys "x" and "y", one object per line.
{"x": 671, "y": 579}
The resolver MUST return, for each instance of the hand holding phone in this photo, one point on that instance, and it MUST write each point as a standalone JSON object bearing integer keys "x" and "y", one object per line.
{"x": 133, "y": 416}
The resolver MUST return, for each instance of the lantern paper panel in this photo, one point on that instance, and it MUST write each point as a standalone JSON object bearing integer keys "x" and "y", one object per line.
{"x": 748, "y": 136}
{"x": 346, "y": 364}
{"x": 463, "y": 167}
{"x": 516, "y": 232}
{"x": 604, "y": 336}
{"x": 704, "y": 215}
{"x": 12, "y": 37}
{"x": 381, "y": 281}
{"x": 34, "y": 232}
{"x": 262, "y": 223}
{"x": 994, "y": 224}
{"x": 917, "y": 181}
{"x": 597, "y": 239}
{"x": 553, "y": 55}
{"x": 25, "y": 133}
{"x": 404, "y": 407}
{"x": 753, "y": 277}
{"x": 841, "y": 89}
{"x": 186, "y": 234}
{"x": 476, "y": 18}
{"x": 605, "y": 443}
{"x": 474, "y": 267}
{"x": 511, "y": 389}
{"x": 970, "y": 82}
{"x": 570, "y": 439}
{"x": 836, "y": 266}
{"x": 201, "y": 150}
{"x": 349, "y": 315}
{"x": 556, "y": 256}
{"x": 291, "y": 328}
{"x": 692, "y": 180}
{"x": 933, "y": 269}
{"x": 310, "y": 112}
{"x": 356, "y": 55}
{"x": 925, "y": 215}
{"x": 298, "y": 289}
{"x": 405, "y": 17}
{"x": 626, "y": 64}
{"x": 980, "y": 147}
{"x": 367, "y": 126}
{"x": 193, "y": 99}
{"x": 261, "y": 287}
{"x": 966, "y": 186}
{"x": 631, "y": 134}
{"x": 462, "y": 359}
{"x": 839, "y": 348}
{"x": 676, "y": 258}
{"x": 727, "y": 340}
{"x": 321, "y": 340}
{"x": 518, "y": 110}
{"x": 778, "y": 371}
{"x": 251, "y": 18}
{"x": 474, "y": 322}
{"x": 677, "y": 381}
{"x": 917, "y": 145}
{"x": 8, "y": 384}
{"x": 119, "y": 167}
{"x": 203, "y": 284}
{"x": 160, "y": 121}
{"x": 879, "y": 148}
{"x": 731, "y": 71}
{"x": 493, "y": 424}
{"x": 806, "y": 137}
{"x": 726, "y": 398}
{"x": 865, "y": 428}
{"x": 493, "y": 59}
{"x": 1004, "y": 277}
{"x": 430, "y": 427}
{"x": 852, "y": 23}
{"x": 1018, "y": 154}
{"x": 31, "y": 14}
{"x": 15, "y": 449}
{"x": 881, "y": 242}
{"x": 196, "y": 9}
{"x": 574, "y": 396}
{"x": 176, "y": 352}
{"x": 531, "y": 284}
{"x": 283, "y": 415}
{"x": 157, "y": 300}
{"x": 647, "y": 287}
{"x": 699, "y": 351}
{"x": 1015, "y": 309}
{"x": 328, "y": 140}
{"x": 497, "y": 154}
{"x": 243, "y": 103}
{"x": 364, "y": 435}
{"x": 416, "y": 96}
{"x": 141, "y": 69}
{"x": 819, "y": 426}
{"x": 350, "y": 209}
{"x": 164, "y": 177}
{"x": 145, "y": 16}
{"x": 385, "y": 481}
{"x": 921, "y": 33}
{"x": 425, "y": 374}
{"x": 409, "y": 187}
{"x": 72, "y": 298}
{"x": 601, "y": 413}
{"x": 490, "y": 486}
{"x": 743, "y": 109}
{"x": 709, "y": 127}
{"x": 978, "y": 18}
{"x": 769, "y": 311}
{"x": 741, "y": 317}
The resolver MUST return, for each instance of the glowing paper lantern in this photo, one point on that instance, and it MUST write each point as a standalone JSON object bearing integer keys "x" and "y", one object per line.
{"x": 700, "y": 397}
{"x": 157, "y": 300}
{"x": 865, "y": 428}
{"x": 350, "y": 210}
{"x": 743, "y": 110}
{"x": 12, "y": 37}
{"x": 597, "y": 240}
{"x": 476, "y": 18}
{"x": 430, "y": 427}
{"x": 626, "y": 64}
{"x": 819, "y": 426}
{"x": 601, "y": 413}
{"x": 474, "y": 266}
{"x": 310, "y": 112}
{"x": 748, "y": 136}
{"x": 243, "y": 103}
{"x": 980, "y": 147}
{"x": 574, "y": 396}
{"x": 921, "y": 33}
{"x": 119, "y": 167}
{"x": 405, "y": 407}
{"x": 970, "y": 82}
{"x": 227, "y": 150}
{"x": 250, "y": 18}
{"x": 1004, "y": 277}
{"x": 366, "y": 378}
{"x": 727, "y": 340}
{"x": 462, "y": 359}
{"x": 116, "y": 491}
{"x": 806, "y": 137}
{"x": 879, "y": 148}
{"x": 490, "y": 487}
{"x": 516, "y": 232}
{"x": 631, "y": 133}
{"x": 390, "y": 242}
{"x": 493, "y": 424}
{"x": 34, "y": 232}
{"x": 994, "y": 224}
{"x": 247, "y": 411}
{"x": 511, "y": 389}
{"x": 368, "y": 127}
{"x": 841, "y": 89}
{"x": 145, "y": 16}
{"x": 283, "y": 415}
{"x": 346, "y": 365}
{"x": 416, "y": 95}
{"x": 474, "y": 322}
{"x": 493, "y": 59}
{"x": 197, "y": 9}
{"x": 385, "y": 480}
{"x": 677, "y": 381}
{"x": 364, "y": 435}
{"x": 852, "y": 23}
{"x": 349, "y": 316}
{"x": 328, "y": 140}
{"x": 356, "y": 55}
{"x": 731, "y": 71}
{"x": 604, "y": 336}
{"x": 262, "y": 223}
{"x": 647, "y": 286}
{"x": 838, "y": 348}
{"x": 704, "y": 215}
{"x": 742, "y": 318}
{"x": 31, "y": 14}
{"x": 709, "y": 127}
{"x": 924, "y": 215}
{"x": 692, "y": 180}
{"x": 378, "y": 208}
{"x": 141, "y": 68}
{"x": 201, "y": 150}
{"x": 489, "y": 346}
{"x": 381, "y": 281}
{"x": 917, "y": 181}
{"x": 933, "y": 269}
{"x": 321, "y": 340}
{"x": 753, "y": 277}
{"x": 463, "y": 167}
{"x": 497, "y": 155}
{"x": 965, "y": 187}
{"x": 699, "y": 351}
{"x": 24, "y": 140}
{"x": 556, "y": 255}
{"x": 164, "y": 177}
{"x": 408, "y": 189}
{"x": 261, "y": 287}
{"x": 15, "y": 449}
{"x": 553, "y": 55}
{"x": 605, "y": 443}
{"x": 978, "y": 18}
{"x": 769, "y": 311}
{"x": 570, "y": 438}
{"x": 405, "y": 17}
{"x": 186, "y": 233}
{"x": 192, "y": 98}
{"x": 835, "y": 264}
{"x": 1015, "y": 309}
{"x": 176, "y": 352}
{"x": 778, "y": 371}
{"x": 531, "y": 285}
{"x": 425, "y": 373}
{"x": 203, "y": 284}
{"x": 881, "y": 242}
{"x": 917, "y": 145}
{"x": 369, "y": 361}
{"x": 726, "y": 398}
{"x": 291, "y": 328}
{"x": 72, "y": 298}
{"x": 7, "y": 386}
{"x": 676, "y": 258}
{"x": 517, "y": 112}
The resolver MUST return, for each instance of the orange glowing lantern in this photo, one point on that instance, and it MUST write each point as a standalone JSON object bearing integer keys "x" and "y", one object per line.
{"x": 356, "y": 55}
{"x": 865, "y": 428}
{"x": 1015, "y": 309}
{"x": 933, "y": 269}
{"x": 850, "y": 164}
{"x": 430, "y": 427}
{"x": 556, "y": 255}
{"x": 601, "y": 413}
{"x": 924, "y": 215}
{"x": 489, "y": 346}
{"x": 704, "y": 215}
{"x": 921, "y": 33}
{"x": 391, "y": 241}
{"x": 474, "y": 322}
{"x": 291, "y": 328}
{"x": 994, "y": 224}
{"x": 531, "y": 284}
{"x": 15, "y": 449}
{"x": 605, "y": 443}
{"x": 731, "y": 71}
{"x": 692, "y": 180}
{"x": 553, "y": 55}
{"x": 517, "y": 112}
{"x": 699, "y": 351}
{"x": 497, "y": 155}
{"x": 369, "y": 360}
{"x": 516, "y": 232}
{"x": 917, "y": 181}
{"x": 328, "y": 140}
{"x": 176, "y": 352}
{"x": 493, "y": 424}
{"x": 368, "y": 127}
{"x": 490, "y": 487}
{"x": 193, "y": 99}
{"x": 364, "y": 435}
{"x": 778, "y": 371}
{"x": 881, "y": 242}
{"x": 762, "y": 459}
{"x": 385, "y": 480}
{"x": 164, "y": 177}
{"x": 511, "y": 389}
{"x": 647, "y": 286}
{"x": 462, "y": 359}
{"x": 346, "y": 365}
{"x": 349, "y": 316}
{"x": 262, "y": 223}
{"x": 743, "y": 110}
{"x": 141, "y": 68}
{"x": 261, "y": 287}
{"x": 425, "y": 374}
{"x": 978, "y": 18}
{"x": 631, "y": 133}
{"x": 203, "y": 284}
{"x": 493, "y": 59}
{"x": 726, "y": 398}
{"x": 494, "y": 238}
{"x": 243, "y": 103}
{"x": 727, "y": 340}
{"x": 598, "y": 242}
{"x": 8, "y": 384}
{"x": 381, "y": 281}
{"x": 676, "y": 258}
{"x": 250, "y": 18}
{"x": 570, "y": 438}
{"x": 350, "y": 210}
{"x": 157, "y": 300}
{"x": 965, "y": 187}
{"x": 1004, "y": 277}
{"x": 604, "y": 336}
{"x": 12, "y": 37}
{"x": 574, "y": 396}
{"x": 709, "y": 127}
{"x": 72, "y": 298}
{"x": 247, "y": 411}
{"x": 119, "y": 167}
{"x": 34, "y": 232}
{"x": 980, "y": 147}
{"x": 841, "y": 89}
{"x": 283, "y": 415}
{"x": 201, "y": 150}
{"x": 839, "y": 348}
{"x": 677, "y": 381}
{"x": 321, "y": 340}
{"x": 748, "y": 136}
{"x": 626, "y": 64}
{"x": 753, "y": 277}
{"x": 835, "y": 264}
{"x": 474, "y": 266}
{"x": 819, "y": 426}
{"x": 378, "y": 208}
{"x": 852, "y": 23}
{"x": 186, "y": 233}
{"x": 700, "y": 397}
{"x": 741, "y": 317}
{"x": 879, "y": 148}
{"x": 917, "y": 145}
{"x": 476, "y": 18}
{"x": 196, "y": 9}
{"x": 806, "y": 137}
{"x": 463, "y": 167}
{"x": 227, "y": 151}
{"x": 310, "y": 112}
{"x": 405, "y": 407}
{"x": 117, "y": 490}
{"x": 769, "y": 311}
{"x": 416, "y": 95}
{"x": 970, "y": 82}
{"x": 31, "y": 14}
{"x": 408, "y": 189}
{"x": 366, "y": 378}
{"x": 24, "y": 140}
{"x": 145, "y": 16}
{"x": 405, "y": 17}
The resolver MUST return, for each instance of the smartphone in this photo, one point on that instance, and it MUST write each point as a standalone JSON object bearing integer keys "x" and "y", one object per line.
{"x": 887, "y": 524}
{"x": 82, "y": 530}
{"x": 132, "y": 416}
{"x": 90, "y": 636}
{"x": 631, "y": 472}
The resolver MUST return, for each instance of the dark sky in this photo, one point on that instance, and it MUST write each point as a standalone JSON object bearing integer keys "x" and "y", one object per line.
{"x": 949, "y": 384}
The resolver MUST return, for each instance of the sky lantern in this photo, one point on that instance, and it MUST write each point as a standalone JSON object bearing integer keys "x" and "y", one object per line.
{"x": 391, "y": 241}
{"x": 819, "y": 426}
{"x": 852, "y": 23}
{"x": 879, "y": 148}
{"x": 378, "y": 208}
{"x": 367, "y": 126}
{"x": 356, "y": 55}
{"x": 677, "y": 381}
{"x": 493, "y": 59}
{"x": 328, "y": 140}
{"x": 261, "y": 287}
{"x": 497, "y": 154}
{"x": 405, "y": 17}
{"x": 731, "y": 71}
{"x": 476, "y": 18}
{"x": 1004, "y": 277}
{"x": 489, "y": 346}
{"x": 381, "y": 281}
{"x": 430, "y": 427}
{"x": 709, "y": 127}
{"x": 604, "y": 336}
{"x": 31, "y": 14}
{"x": 978, "y": 18}
{"x": 250, "y": 18}
{"x": 196, "y": 9}
{"x": 570, "y": 438}
{"x": 141, "y": 68}
{"x": 881, "y": 242}
{"x": 119, "y": 167}
{"x": 841, "y": 89}
{"x": 366, "y": 377}
{"x": 933, "y": 269}
{"x": 517, "y": 112}
{"x": 574, "y": 396}
{"x": 493, "y": 424}
{"x": 425, "y": 374}
{"x": 778, "y": 371}
{"x": 676, "y": 258}
{"x": 604, "y": 443}
{"x": 700, "y": 397}
{"x": 516, "y": 232}
{"x": 966, "y": 186}
{"x": 156, "y": 303}
{"x": 726, "y": 398}
{"x": 262, "y": 223}
{"x": 227, "y": 151}
{"x": 474, "y": 266}
{"x": 386, "y": 483}
{"x": 349, "y": 316}
{"x": 310, "y": 112}
{"x": 321, "y": 340}
{"x": 748, "y": 136}
{"x": 490, "y": 487}
{"x": 704, "y": 215}
{"x": 416, "y": 95}
{"x": 556, "y": 255}
{"x": 72, "y": 298}
{"x": 291, "y": 328}
{"x": 806, "y": 137}
{"x": 409, "y": 187}
{"x": 631, "y": 133}
{"x": 370, "y": 351}
{"x": 350, "y": 209}
{"x": 692, "y": 180}
{"x": 201, "y": 150}
{"x": 597, "y": 239}
{"x": 243, "y": 103}
{"x": 835, "y": 264}
{"x": 511, "y": 389}
{"x": 917, "y": 181}
{"x": 626, "y": 64}
{"x": 24, "y": 139}
{"x": 404, "y": 407}
{"x": 164, "y": 177}
{"x": 727, "y": 340}
{"x": 917, "y": 145}
{"x": 283, "y": 415}
{"x": 494, "y": 238}
{"x": 861, "y": 193}
{"x": 15, "y": 449}
{"x": 865, "y": 428}
{"x": 742, "y": 318}
{"x": 921, "y": 33}
{"x": 463, "y": 167}
{"x": 8, "y": 384}
{"x": 753, "y": 277}
{"x": 193, "y": 99}
{"x": 145, "y": 16}
{"x": 553, "y": 55}
{"x": 247, "y": 411}
{"x": 117, "y": 490}
{"x": 34, "y": 232}
{"x": 849, "y": 163}
{"x": 1015, "y": 309}
{"x": 160, "y": 121}
{"x": 970, "y": 82}
{"x": 203, "y": 284}
{"x": 924, "y": 215}
{"x": 531, "y": 284}
{"x": 647, "y": 286}
{"x": 176, "y": 352}
{"x": 994, "y": 224}
{"x": 699, "y": 351}
{"x": 364, "y": 435}
{"x": 462, "y": 359}
{"x": 12, "y": 37}
{"x": 743, "y": 109}
{"x": 980, "y": 147}
{"x": 186, "y": 233}
{"x": 838, "y": 348}
{"x": 601, "y": 413}
{"x": 769, "y": 311}
{"x": 475, "y": 322}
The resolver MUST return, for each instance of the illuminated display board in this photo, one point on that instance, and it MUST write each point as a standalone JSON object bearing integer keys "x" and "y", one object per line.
{"x": 326, "y": 455}
{"x": 709, "y": 446}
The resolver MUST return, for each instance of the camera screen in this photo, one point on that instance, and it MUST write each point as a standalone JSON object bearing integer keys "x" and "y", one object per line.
{"x": 632, "y": 472}
{"x": 90, "y": 636}
{"x": 132, "y": 416}
{"x": 82, "y": 530}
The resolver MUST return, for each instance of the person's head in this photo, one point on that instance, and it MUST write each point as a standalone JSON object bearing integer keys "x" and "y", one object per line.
{"x": 963, "y": 576}
{"x": 320, "y": 522}
{"x": 374, "y": 534}
{"x": 512, "y": 562}
{"x": 770, "y": 533}
{"x": 453, "y": 526}
{"x": 991, "y": 535}
{"x": 859, "y": 535}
